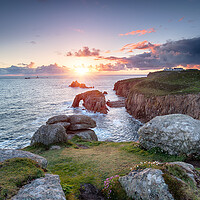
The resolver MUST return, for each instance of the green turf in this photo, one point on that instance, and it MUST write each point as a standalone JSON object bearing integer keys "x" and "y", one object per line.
{"x": 15, "y": 173}
{"x": 167, "y": 82}
{"x": 96, "y": 162}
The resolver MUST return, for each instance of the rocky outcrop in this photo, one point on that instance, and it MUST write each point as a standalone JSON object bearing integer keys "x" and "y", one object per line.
{"x": 47, "y": 187}
{"x": 175, "y": 134}
{"x": 60, "y": 128}
{"x": 6, "y": 154}
{"x": 92, "y": 100}
{"x": 123, "y": 87}
{"x": 49, "y": 134}
{"x": 116, "y": 104}
{"x": 146, "y": 184}
{"x": 78, "y": 122}
{"x": 162, "y": 181}
{"x": 145, "y": 107}
{"x": 84, "y": 134}
{"x": 77, "y": 84}
{"x": 72, "y": 122}
{"x": 58, "y": 119}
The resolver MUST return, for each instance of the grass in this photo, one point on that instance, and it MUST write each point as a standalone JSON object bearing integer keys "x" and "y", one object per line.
{"x": 15, "y": 173}
{"x": 167, "y": 82}
{"x": 95, "y": 163}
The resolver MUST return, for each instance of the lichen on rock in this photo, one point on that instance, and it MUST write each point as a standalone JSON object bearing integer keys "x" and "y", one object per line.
{"x": 176, "y": 134}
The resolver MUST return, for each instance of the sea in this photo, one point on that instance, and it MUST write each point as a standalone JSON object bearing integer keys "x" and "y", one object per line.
{"x": 26, "y": 104}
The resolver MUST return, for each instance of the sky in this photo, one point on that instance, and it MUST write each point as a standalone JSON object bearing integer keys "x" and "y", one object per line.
{"x": 98, "y": 36}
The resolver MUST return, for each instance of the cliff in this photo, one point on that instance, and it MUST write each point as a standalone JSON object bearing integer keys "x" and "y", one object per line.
{"x": 162, "y": 93}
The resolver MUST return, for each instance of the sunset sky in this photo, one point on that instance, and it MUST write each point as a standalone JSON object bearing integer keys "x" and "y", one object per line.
{"x": 110, "y": 36}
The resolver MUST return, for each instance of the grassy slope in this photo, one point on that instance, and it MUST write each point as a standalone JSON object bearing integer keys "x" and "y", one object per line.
{"x": 16, "y": 172}
{"x": 101, "y": 160}
{"x": 168, "y": 82}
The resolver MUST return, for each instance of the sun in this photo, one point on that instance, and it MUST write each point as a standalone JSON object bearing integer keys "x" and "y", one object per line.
{"x": 81, "y": 70}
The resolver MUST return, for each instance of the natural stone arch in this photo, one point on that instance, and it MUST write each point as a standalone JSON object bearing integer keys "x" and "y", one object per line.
{"x": 92, "y": 100}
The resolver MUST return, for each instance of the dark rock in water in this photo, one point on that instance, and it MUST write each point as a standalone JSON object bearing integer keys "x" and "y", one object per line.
{"x": 87, "y": 134}
{"x": 49, "y": 134}
{"x": 47, "y": 187}
{"x": 116, "y": 104}
{"x": 6, "y": 154}
{"x": 78, "y": 122}
{"x": 90, "y": 192}
{"x": 92, "y": 100}
{"x": 176, "y": 134}
{"x": 77, "y": 84}
{"x": 58, "y": 118}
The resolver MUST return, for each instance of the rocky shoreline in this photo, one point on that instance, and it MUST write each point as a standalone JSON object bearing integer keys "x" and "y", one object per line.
{"x": 68, "y": 161}
{"x": 145, "y": 180}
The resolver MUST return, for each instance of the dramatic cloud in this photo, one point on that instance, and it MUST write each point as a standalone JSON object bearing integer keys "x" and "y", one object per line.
{"x": 139, "y": 32}
{"x": 171, "y": 54}
{"x": 85, "y": 52}
{"x": 51, "y": 69}
{"x": 181, "y": 19}
{"x": 140, "y": 45}
{"x": 184, "y": 52}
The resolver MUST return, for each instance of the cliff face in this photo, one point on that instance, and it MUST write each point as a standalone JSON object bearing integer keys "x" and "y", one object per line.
{"x": 123, "y": 87}
{"x": 145, "y": 108}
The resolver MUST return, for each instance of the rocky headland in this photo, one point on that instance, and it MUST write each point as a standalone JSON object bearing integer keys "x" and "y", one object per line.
{"x": 162, "y": 93}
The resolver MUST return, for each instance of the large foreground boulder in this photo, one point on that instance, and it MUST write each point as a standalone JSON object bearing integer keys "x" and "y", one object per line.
{"x": 146, "y": 184}
{"x": 6, "y": 154}
{"x": 92, "y": 100}
{"x": 162, "y": 181}
{"x": 49, "y": 134}
{"x": 47, "y": 187}
{"x": 175, "y": 134}
{"x": 57, "y": 129}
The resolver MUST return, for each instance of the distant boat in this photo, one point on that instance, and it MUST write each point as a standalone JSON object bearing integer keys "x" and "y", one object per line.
{"x": 35, "y": 77}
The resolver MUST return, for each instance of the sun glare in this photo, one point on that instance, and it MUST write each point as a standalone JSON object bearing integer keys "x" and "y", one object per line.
{"x": 81, "y": 70}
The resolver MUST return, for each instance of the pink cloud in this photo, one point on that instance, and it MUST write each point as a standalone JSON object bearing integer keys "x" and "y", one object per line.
{"x": 139, "y": 32}
{"x": 31, "y": 65}
{"x": 140, "y": 45}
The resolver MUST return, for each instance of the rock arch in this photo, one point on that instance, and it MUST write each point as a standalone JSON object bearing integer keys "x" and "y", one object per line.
{"x": 92, "y": 100}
